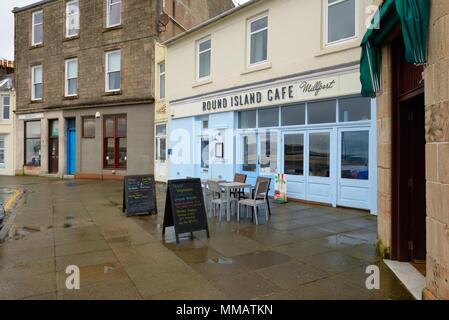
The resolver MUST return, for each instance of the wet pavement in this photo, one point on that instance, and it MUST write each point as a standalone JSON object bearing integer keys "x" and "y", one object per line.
{"x": 5, "y": 195}
{"x": 302, "y": 252}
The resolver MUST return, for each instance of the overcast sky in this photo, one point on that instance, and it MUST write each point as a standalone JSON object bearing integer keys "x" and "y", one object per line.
{"x": 7, "y": 25}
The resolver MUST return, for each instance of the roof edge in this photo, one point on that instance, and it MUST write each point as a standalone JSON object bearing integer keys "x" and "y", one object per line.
{"x": 210, "y": 21}
{"x": 30, "y": 6}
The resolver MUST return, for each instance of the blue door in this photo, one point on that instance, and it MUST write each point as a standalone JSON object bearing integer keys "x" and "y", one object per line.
{"x": 71, "y": 146}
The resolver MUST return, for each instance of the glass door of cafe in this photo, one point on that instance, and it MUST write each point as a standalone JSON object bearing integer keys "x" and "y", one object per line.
{"x": 308, "y": 165}
{"x": 259, "y": 155}
{"x": 294, "y": 148}
{"x": 320, "y": 186}
{"x": 353, "y": 167}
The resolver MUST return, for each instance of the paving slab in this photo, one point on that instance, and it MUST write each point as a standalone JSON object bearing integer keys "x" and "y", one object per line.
{"x": 302, "y": 252}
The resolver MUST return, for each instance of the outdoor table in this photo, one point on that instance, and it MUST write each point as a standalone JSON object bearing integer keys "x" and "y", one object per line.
{"x": 228, "y": 186}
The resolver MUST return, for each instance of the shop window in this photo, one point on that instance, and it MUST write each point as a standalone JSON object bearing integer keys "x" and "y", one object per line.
{"x": 33, "y": 143}
{"x": 37, "y": 36}
{"x": 71, "y": 77}
{"x": 341, "y": 20}
{"x": 205, "y": 153}
{"x": 113, "y": 71}
{"x": 319, "y": 155}
{"x": 2, "y": 151}
{"x": 115, "y": 141}
{"x": 162, "y": 80}
{"x": 268, "y": 118}
{"x": 114, "y": 13}
{"x": 294, "y": 115}
{"x": 354, "y": 109}
{"x": 72, "y": 18}
{"x": 247, "y": 119}
{"x": 6, "y": 107}
{"x": 37, "y": 82}
{"x": 321, "y": 112}
{"x": 204, "y": 52}
{"x": 355, "y": 155}
{"x": 89, "y": 127}
{"x": 258, "y": 40}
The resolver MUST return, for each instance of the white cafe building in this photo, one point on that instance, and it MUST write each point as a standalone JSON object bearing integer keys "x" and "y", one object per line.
{"x": 273, "y": 87}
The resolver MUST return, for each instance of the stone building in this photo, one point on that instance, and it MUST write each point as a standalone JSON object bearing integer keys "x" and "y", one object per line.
{"x": 84, "y": 81}
{"x": 405, "y": 62}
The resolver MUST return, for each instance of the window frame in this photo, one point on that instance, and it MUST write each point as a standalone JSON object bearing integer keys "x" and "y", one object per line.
{"x": 71, "y": 2}
{"x": 2, "y": 109}
{"x": 83, "y": 133}
{"x": 108, "y": 13}
{"x": 162, "y": 74}
{"x": 249, "y": 36}
{"x": 198, "y": 59}
{"x": 34, "y": 83}
{"x": 33, "y": 25}
{"x": 66, "y": 82}
{"x": 326, "y": 5}
{"x": 116, "y": 138}
{"x": 107, "y": 71}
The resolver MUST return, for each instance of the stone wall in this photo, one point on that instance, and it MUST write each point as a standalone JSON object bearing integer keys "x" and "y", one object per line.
{"x": 437, "y": 152}
{"x": 134, "y": 37}
{"x": 384, "y": 155}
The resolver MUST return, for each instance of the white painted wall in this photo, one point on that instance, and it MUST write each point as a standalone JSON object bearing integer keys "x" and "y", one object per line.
{"x": 295, "y": 45}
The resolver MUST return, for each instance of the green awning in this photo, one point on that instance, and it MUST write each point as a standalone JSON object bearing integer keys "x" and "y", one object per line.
{"x": 414, "y": 18}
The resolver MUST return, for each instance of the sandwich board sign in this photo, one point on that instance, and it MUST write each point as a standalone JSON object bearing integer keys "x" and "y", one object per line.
{"x": 139, "y": 195}
{"x": 184, "y": 207}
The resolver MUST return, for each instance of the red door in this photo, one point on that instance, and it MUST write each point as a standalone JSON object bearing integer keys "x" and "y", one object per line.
{"x": 53, "y": 147}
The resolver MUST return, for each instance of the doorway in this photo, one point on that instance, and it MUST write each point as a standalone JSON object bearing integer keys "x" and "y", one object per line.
{"x": 307, "y": 163}
{"x": 411, "y": 181}
{"x": 161, "y": 152}
{"x": 71, "y": 146}
{"x": 259, "y": 155}
{"x": 53, "y": 147}
{"x": 409, "y": 178}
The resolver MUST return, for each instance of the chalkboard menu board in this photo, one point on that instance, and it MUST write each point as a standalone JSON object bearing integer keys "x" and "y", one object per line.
{"x": 184, "y": 207}
{"x": 139, "y": 195}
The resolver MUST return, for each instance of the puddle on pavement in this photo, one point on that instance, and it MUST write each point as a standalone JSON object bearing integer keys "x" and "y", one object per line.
{"x": 222, "y": 260}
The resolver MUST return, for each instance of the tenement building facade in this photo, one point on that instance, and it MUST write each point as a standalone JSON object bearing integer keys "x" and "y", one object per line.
{"x": 273, "y": 87}
{"x": 85, "y": 101}
{"x": 405, "y": 62}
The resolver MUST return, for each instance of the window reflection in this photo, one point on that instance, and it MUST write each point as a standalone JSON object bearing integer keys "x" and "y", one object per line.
{"x": 294, "y": 154}
{"x": 319, "y": 154}
{"x": 355, "y": 155}
{"x": 268, "y": 152}
{"x": 249, "y": 153}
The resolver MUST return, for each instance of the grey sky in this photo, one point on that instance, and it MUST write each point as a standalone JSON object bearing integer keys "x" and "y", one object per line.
{"x": 7, "y": 25}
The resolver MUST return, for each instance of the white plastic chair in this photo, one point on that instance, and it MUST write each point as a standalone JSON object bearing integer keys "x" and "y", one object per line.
{"x": 259, "y": 198}
{"x": 218, "y": 198}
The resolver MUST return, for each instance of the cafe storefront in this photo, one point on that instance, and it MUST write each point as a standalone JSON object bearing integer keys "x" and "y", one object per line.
{"x": 314, "y": 127}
